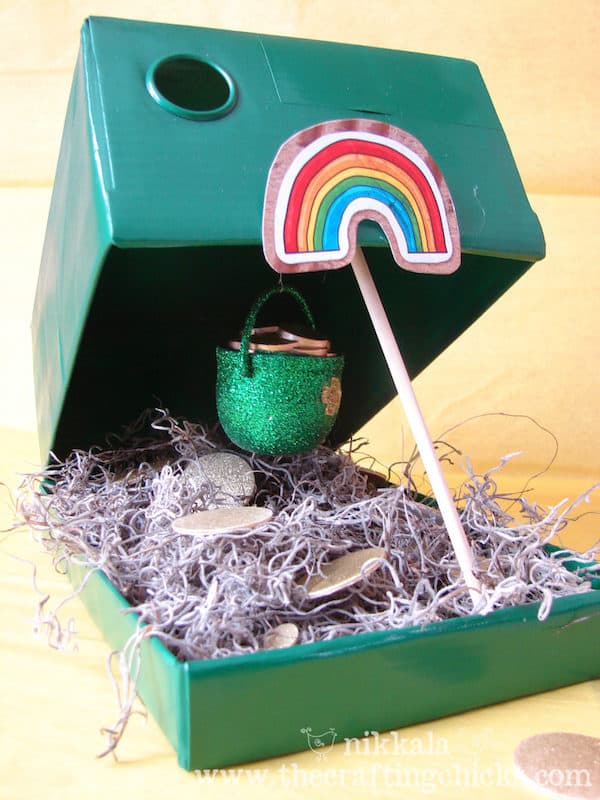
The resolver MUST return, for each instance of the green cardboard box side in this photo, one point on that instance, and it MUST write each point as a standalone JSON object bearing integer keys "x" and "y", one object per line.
{"x": 153, "y": 252}
{"x": 230, "y": 711}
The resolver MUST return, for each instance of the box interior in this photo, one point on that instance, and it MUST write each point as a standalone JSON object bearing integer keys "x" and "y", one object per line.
{"x": 158, "y": 314}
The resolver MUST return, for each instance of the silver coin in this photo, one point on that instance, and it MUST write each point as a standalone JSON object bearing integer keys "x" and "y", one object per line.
{"x": 223, "y": 479}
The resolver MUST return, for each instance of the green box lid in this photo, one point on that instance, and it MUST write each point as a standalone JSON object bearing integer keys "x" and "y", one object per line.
{"x": 153, "y": 248}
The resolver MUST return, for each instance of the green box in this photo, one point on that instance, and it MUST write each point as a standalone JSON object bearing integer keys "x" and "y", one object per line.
{"x": 155, "y": 227}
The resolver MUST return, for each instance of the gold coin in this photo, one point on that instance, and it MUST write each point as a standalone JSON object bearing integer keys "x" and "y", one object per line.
{"x": 269, "y": 340}
{"x": 375, "y": 480}
{"x": 284, "y": 635}
{"x": 222, "y": 520}
{"x": 563, "y": 764}
{"x": 303, "y": 336}
{"x": 344, "y": 572}
{"x": 265, "y": 329}
{"x": 309, "y": 351}
{"x": 264, "y": 344}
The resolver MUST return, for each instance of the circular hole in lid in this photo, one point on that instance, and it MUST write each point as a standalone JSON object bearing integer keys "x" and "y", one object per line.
{"x": 191, "y": 87}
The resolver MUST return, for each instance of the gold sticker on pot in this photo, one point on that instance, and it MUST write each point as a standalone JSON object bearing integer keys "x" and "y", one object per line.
{"x": 331, "y": 396}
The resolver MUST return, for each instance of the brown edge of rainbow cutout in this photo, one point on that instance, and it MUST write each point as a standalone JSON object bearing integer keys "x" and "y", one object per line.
{"x": 326, "y": 179}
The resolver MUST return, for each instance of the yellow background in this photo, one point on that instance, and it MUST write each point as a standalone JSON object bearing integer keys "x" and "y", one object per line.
{"x": 535, "y": 354}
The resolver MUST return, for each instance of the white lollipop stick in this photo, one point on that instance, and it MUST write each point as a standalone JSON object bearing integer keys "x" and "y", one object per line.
{"x": 310, "y": 222}
{"x": 401, "y": 379}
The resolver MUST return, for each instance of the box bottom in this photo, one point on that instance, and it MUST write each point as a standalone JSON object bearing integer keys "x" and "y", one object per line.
{"x": 244, "y": 708}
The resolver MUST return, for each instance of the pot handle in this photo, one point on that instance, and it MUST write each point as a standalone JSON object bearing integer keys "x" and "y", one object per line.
{"x": 251, "y": 320}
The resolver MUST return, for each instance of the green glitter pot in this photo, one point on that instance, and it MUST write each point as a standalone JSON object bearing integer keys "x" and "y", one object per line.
{"x": 277, "y": 403}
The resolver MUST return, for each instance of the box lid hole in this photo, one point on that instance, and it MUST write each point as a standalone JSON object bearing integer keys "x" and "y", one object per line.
{"x": 191, "y": 87}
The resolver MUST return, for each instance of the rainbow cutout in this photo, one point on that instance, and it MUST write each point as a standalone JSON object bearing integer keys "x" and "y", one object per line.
{"x": 330, "y": 177}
